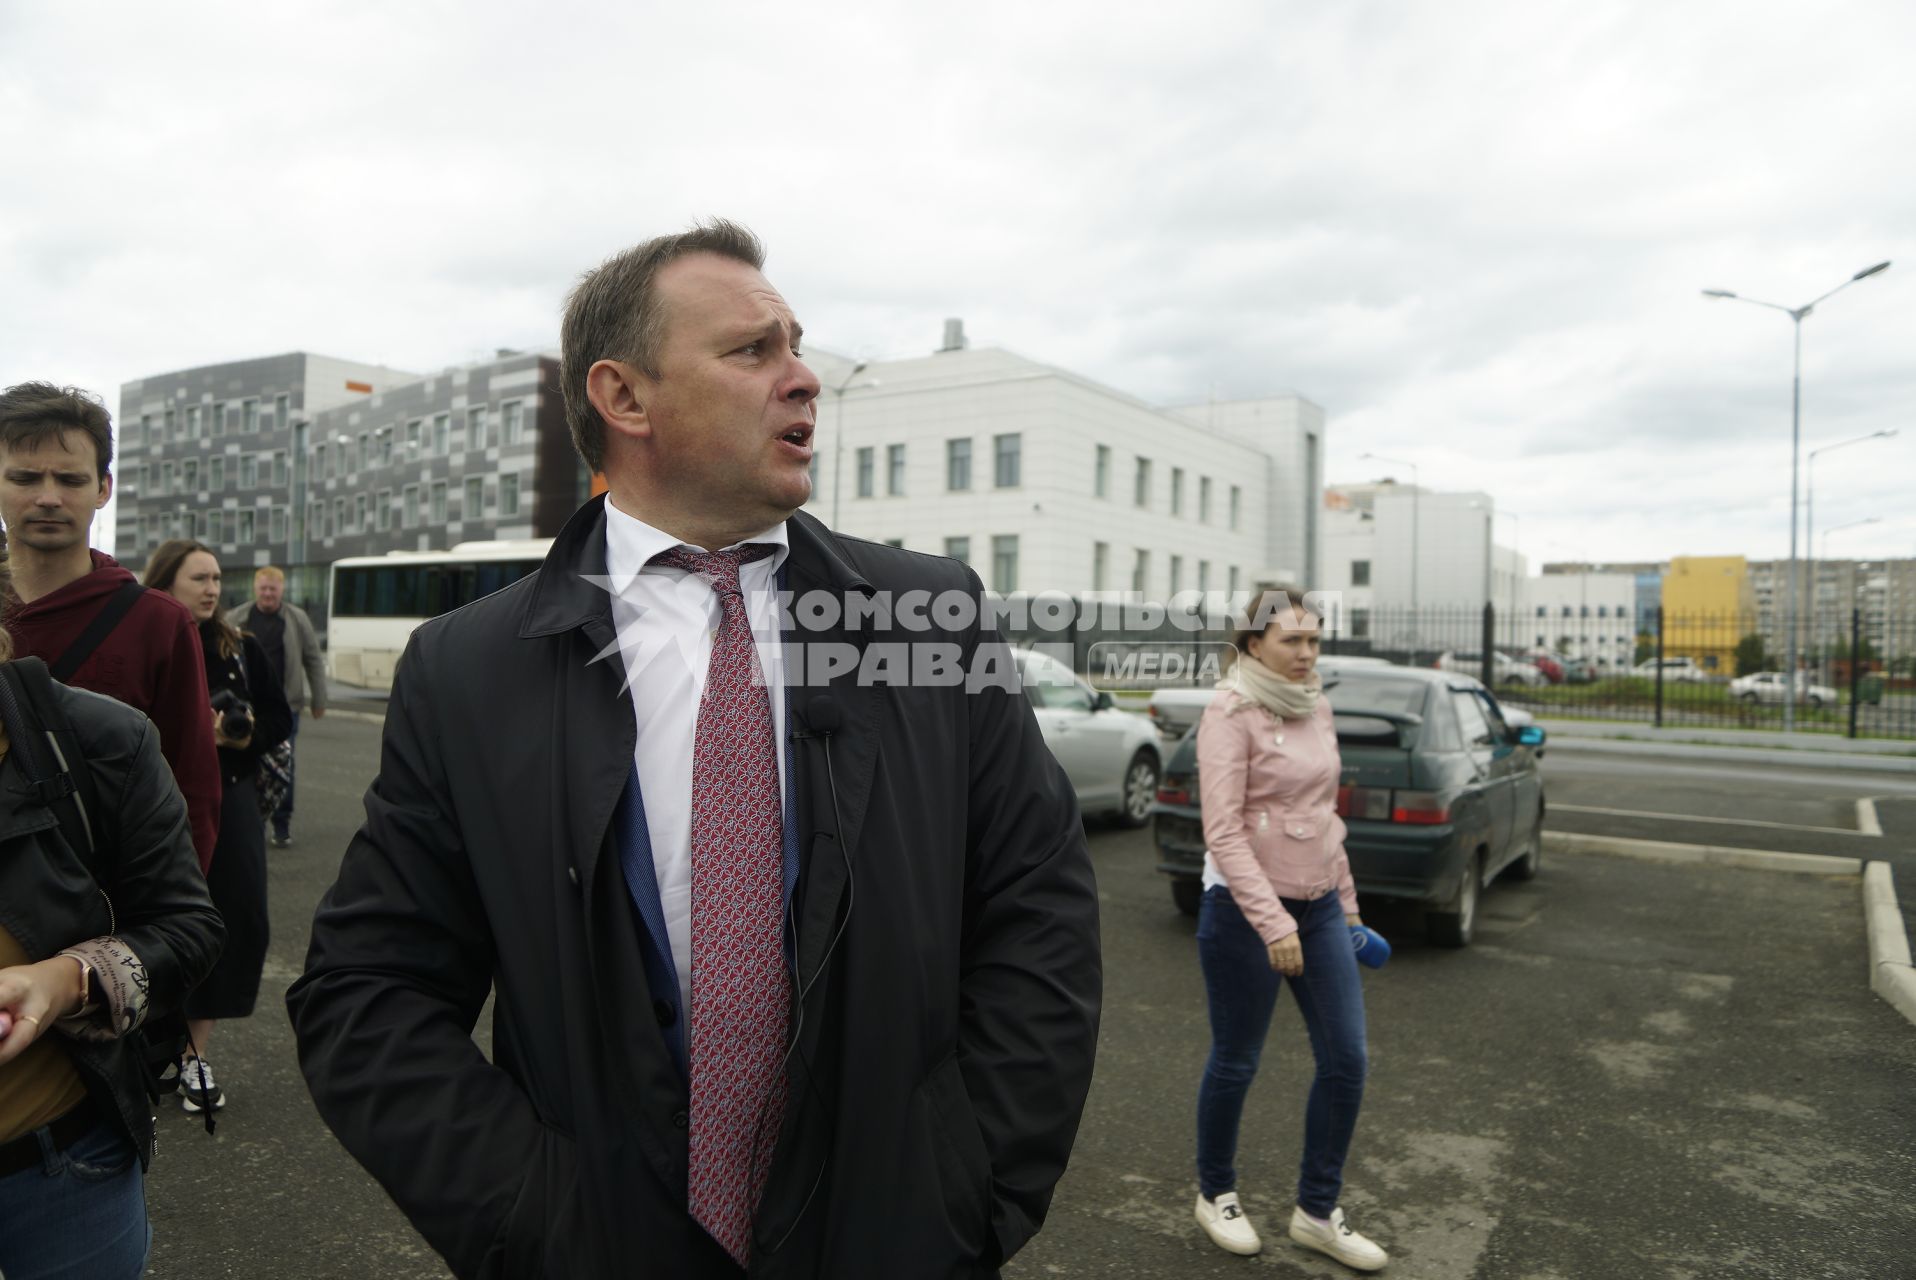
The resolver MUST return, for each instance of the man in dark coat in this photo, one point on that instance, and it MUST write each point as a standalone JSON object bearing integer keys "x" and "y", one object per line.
{"x": 528, "y": 833}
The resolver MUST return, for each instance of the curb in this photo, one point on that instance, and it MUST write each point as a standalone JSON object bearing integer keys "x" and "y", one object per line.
{"x": 1890, "y": 974}
{"x": 1815, "y": 864}
{"x": 1848, "y": 763}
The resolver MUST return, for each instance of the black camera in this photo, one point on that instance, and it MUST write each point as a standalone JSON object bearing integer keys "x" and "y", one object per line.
{"x": 236, "y": 714}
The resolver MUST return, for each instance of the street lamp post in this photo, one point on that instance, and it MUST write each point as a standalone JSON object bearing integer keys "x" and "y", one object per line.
{"x": 1809, "y": 511}
{"x": 1416, "y": 488}
{"x": 1796, "y": 315}
{"x": 838, "y": 435}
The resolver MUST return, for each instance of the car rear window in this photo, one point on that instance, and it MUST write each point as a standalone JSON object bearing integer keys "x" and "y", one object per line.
{"x": 1355, "y": 694}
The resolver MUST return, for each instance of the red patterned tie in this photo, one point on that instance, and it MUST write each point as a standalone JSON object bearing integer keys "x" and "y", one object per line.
{"x": 739, "y": 983}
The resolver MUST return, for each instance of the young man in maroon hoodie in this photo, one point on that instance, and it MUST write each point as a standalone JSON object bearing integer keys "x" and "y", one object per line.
{"x": 56, "y": 454}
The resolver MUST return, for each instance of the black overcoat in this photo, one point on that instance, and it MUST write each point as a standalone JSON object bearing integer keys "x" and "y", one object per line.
{"x": 943, "y": 1056}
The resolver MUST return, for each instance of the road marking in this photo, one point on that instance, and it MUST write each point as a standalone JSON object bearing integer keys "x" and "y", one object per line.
{"x": 1865, "y": 829}
{"x": 1866, "y": 822}
{"x": 1702, "y": 855}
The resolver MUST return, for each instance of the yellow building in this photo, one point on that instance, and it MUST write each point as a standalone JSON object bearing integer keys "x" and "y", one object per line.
{"x": 1708, "y": 605}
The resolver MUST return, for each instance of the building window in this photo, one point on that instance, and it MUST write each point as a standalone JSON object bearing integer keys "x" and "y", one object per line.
{"x": 216, "y": 474}
{"x": 1542, "y": 612}
{"x": 359, "y": 513}
{"x": 365, "y": 450}
{"x": 1140, "y": 571}
{"x": 1101, "y": 479}
{"x": 1141, "y": 485}
{"x": 865, "y": 472}
{"x": 216, "y": 420}
{"x": 439, "y": 502}
{"x": 1100, "y": 561}
{"x": 213, "y": 527}
{"x": 146, "y": 428}
{"x": 413, "y": 428}
{"x": 249, "y": 416}
{"x": 1237, "y": 505}
{"x": 190, "y": 477}
{"x": 1006, "y": 451}
{"x": 384, "y": 504}
{"x": 1232, "y": 588}
{"x": 248, "y": 527}
{"x": 1204, "y": 499}
{"x": 512, "y": 421}
{"x": 509, "y": 495}
{"x": 476, "y": 427}
{"x": 475, "y": 499}
{"x": 249, "y": 471}
{"x": 1177, "y": 574}
{"x": 409, "y": 517}
{"x": 279, "y": 468}
{"x": 1360, "y": 573}
{"x": 342, "y": 517}
{"x": 895, "y": 470}
{"x": 276, "y": 523}
{"x": 1204, "y": 575}
{"x": 172, "y": 424}
{"x": 959, "y": 549}
{"x": 958, "y": 464}
{"x": 1360, "y": 624}
{"x": 192, "y": 422}
{"x": 441, "y": 432}
{"x": 895, "y": 542}
{"x": 385, "y": 446}
{"x": 1603, "y": 611}
{"x": 319, "y": 462}
{"x": 1177, "y": 494}
{"x": 167, "y": 477}
{"x": 1004, "y": 563}
{"x": 282, "y": 410}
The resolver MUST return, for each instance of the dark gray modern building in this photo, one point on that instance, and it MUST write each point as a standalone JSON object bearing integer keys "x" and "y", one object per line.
{"x": 300, "y": 460}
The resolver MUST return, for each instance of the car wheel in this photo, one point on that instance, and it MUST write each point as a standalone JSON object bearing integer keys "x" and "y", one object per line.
{"x": 1140, "y": 789}
{"x": 1816, "y": 703}
{"x": 1187, "y": 892}
{"x": 1530, "y": 861}
{"x": 1750, "y": 697}
{"x": 1454, "y": 928}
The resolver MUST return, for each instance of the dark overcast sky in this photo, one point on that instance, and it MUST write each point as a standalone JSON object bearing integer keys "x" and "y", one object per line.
{"x": 1474, "y": 232}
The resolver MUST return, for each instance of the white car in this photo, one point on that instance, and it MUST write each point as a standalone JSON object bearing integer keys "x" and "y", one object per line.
{"x": 1769, "y": 686}
{"x": 1111, "y": 756}
{"x": 1508, "y": 670}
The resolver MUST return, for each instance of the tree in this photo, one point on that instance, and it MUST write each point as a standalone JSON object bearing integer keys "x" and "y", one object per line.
{"x": 1646, "y": 647}
{"x": 1751, "y": 657}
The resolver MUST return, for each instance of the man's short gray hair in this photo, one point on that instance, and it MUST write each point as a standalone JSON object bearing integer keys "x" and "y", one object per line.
{"x": 614, "y": 314}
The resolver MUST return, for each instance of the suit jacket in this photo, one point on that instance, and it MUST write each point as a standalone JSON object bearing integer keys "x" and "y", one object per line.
{"x": 943, "y": 927}
{"x": 305, "y": 664}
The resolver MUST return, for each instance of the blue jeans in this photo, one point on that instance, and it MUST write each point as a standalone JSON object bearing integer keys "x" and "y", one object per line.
{"x": 283, "y": 814}
{"x": 1242, "y": 990}
{"x": 80, "y": 1215}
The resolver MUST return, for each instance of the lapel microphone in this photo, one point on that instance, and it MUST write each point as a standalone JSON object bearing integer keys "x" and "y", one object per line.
{"x": 823, "y": 717}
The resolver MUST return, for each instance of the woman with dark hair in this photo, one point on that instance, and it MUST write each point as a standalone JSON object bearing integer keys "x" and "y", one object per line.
{"x": 94, "y": 941}
{"x": 250, "y": 717}
{"x": 1279, "y": 904}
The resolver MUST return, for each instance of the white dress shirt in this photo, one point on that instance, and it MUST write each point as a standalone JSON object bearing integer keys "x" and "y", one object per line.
{"x": 666, "y": 620}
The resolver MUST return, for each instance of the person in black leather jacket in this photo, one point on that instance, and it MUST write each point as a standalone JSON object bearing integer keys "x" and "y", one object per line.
{"x": 84, "y": 962}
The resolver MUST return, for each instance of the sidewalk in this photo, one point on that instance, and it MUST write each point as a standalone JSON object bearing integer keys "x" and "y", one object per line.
{"x": 1803, "y": 750}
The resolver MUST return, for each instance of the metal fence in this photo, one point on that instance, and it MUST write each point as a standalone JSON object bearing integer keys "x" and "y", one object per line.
{"x": 1858, "y": 669}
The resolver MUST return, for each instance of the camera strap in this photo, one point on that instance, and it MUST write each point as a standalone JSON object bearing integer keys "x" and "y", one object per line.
{"x": 117, "y": 606}
{"x": 39, "y": 729}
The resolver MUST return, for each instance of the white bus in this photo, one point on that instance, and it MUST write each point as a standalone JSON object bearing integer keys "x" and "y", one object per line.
{"x": 376, "y": 601}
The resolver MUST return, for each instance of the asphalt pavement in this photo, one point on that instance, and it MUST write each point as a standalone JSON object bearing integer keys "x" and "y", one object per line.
{"x": 1639, "y": 1071}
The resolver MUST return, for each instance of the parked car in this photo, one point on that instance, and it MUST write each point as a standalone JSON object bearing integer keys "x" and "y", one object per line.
{"x": 1506, "y": 669}
{"x": 1579, "y": 671}
{"x": 1548, "y": 663}
{"x": 1440, "y": 794}
{"x": 1111, "y": 756}
{"x": 1769, "y": 686}
{"x": 1681, "y": 670}
{"x": 1175, "y": 711}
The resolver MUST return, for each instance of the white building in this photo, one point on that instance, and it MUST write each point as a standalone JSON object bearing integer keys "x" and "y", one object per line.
{"x": 1044, "y": 480}
{"x": 1399, "y": 552}
{"x": 1581, "y": 615}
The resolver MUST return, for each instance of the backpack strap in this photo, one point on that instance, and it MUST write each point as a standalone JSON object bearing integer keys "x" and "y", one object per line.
{"x": 49, "y": 754}
{"x": 116, "y": 607}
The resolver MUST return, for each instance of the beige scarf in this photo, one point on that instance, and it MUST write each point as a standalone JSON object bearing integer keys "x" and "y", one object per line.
{"x": 1285, "y": 699}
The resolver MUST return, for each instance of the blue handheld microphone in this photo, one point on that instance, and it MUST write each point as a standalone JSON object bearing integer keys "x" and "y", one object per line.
{"x": 1372, "y": 950}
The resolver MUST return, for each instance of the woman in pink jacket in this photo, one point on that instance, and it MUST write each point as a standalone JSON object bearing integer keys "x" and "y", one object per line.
{"x": 1278, "y": 901}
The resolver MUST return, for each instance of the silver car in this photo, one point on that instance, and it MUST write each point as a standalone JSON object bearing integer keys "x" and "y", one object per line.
{"x": 1111, "y": 756}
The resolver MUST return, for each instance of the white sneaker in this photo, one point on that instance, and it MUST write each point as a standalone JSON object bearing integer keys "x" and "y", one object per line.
{"x": 1223, "y": 1220}
{"x": 1338, "y": 1240}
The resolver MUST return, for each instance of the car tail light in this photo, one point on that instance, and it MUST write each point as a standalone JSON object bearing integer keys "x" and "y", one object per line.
{"x": 1176, "y": 789}
{"x": 1419, "y": 808}
{"x": 1370, "y": 803}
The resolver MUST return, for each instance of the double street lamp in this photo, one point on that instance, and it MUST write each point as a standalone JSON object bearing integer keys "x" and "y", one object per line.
{"x": 1796, "y": 315}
